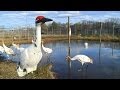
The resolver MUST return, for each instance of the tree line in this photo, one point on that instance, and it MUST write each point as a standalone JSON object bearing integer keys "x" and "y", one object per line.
{"x": 85, "y": 28}
{"x": 110, "y": 27}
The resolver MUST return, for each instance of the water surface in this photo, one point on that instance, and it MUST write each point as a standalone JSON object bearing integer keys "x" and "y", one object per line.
{"x": 106, "y": 59}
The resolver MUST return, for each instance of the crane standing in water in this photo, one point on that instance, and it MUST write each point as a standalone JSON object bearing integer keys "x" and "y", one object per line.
{"x": 81, "y": 58}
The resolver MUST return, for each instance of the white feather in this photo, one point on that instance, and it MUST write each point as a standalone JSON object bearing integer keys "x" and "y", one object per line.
{"x": 86, "y": 45}
{"x": 47, "y": 50}
{"x": 82, "y": 58}
{"x": 1, "y": 49}
{"x": 7, "y": 50}
{"x": 69, "y": 31}
{"x": 30, "y": 56}
{"x": 15, "y": 45}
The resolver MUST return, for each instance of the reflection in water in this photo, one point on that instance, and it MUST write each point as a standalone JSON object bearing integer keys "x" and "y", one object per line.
{"x": 69, "y": 61}
{"x": 69, "y": 64}
{"x": 112, "y": 48}
{"x": 105, "y": 65}
{"x": 83, "y": 59}
{"x": 100, "y": 53}
{"x": 97, "y": 51}
{"x": 86, "y": 45}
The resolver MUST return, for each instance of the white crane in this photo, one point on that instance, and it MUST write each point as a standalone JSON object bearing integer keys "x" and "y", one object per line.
{"x": 86, "y": 45}
{"x": 7, "y": 49}
{"x": 69, "y": 31}
{"x": 33, "y": 41}
{"x": 1, "y": 49}
{"x": 17, "y": 51}
{"x": 81, "y": 58}
{"x": 46, "y": 50}
{"x": 16, "y": 48}
{"x": 31, "y": 56}
{"x": 15, "y": 45}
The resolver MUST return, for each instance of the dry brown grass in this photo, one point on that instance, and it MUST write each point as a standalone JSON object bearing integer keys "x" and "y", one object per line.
{"x": 74, "y": 37}
{"x": 49, "y": 38}
{"x": 8, "y": 71}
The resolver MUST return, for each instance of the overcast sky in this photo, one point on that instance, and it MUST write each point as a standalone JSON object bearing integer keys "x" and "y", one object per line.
{"x": 23, "y": 18}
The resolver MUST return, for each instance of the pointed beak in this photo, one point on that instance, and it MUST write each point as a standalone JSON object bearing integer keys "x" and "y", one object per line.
{"x": 43, "y": 20}
{"x": 46, "y": 20}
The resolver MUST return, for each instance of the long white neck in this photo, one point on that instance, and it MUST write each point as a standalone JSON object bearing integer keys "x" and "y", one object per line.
{"x": 38, "y": 35}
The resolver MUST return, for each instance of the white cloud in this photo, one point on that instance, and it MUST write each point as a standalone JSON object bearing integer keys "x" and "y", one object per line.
{"x": 87, "y": 17}
{"x": 73, "y": 12}
{"x": 95, "y": 18}
{"x": 14, "y": 15}
{"x": 62, "y": 15}
{"x": 20, "y": 17}
{"x": 40, "y": 12}
{"x": 24, "y": 13}
{"x": 10, "y": 14}
{"x": 68, "y": 13}
{"x": 107, "y": 16}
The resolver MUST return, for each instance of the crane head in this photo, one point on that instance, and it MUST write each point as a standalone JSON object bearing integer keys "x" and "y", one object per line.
{"x": 42, "y": 19}
{"x": 68, "y": 58}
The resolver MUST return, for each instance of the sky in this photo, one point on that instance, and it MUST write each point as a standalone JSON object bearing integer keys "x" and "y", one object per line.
{"x": 11, "y": 19}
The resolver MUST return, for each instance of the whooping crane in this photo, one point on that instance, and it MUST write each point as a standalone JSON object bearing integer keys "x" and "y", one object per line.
{"x": 31, "y": 56}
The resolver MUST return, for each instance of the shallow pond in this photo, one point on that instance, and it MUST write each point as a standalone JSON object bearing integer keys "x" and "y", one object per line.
{"x": 106, "y": 59}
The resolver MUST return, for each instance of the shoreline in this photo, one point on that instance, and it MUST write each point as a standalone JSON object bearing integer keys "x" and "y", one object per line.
{"x": 49, "y": 38}
{"x": 8, "y": 68}
{"x": 8, "y": 71}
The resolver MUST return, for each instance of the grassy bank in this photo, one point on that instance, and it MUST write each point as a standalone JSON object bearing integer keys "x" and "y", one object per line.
{"x": 49, "y": 38}
{"x": 8, "y": 71}
{"x": 73, "y": 37}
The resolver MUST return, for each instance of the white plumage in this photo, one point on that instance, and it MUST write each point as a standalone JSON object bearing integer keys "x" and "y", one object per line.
{"x": 82, "y": 58}
{"x": 15, "y": 45}
{"x": 86, "y": 45}
{"x": 21, "y": 49}
{"x": 33, "y": 41}
{"x": 1, "y": 49}
{"x": 46, "y": 50}
{"x": 31, "y": 56}
{"x": 69, "y": 31}
{"x": 8, "y": 50}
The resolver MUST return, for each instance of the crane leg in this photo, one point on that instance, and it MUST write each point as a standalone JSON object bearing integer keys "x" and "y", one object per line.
{"x": 81, "y": 69}
{"x": 86, "y": 67}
